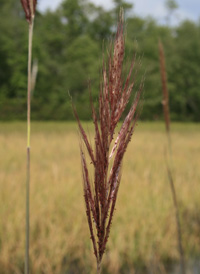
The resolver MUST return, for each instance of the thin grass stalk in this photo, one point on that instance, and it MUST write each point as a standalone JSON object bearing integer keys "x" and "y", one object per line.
{"x": 169, "y": 162}
{"x": 98, "y": 267}
{"x": 31, "y": 24}
{"x": 106, "y": 156}
{"x": 29, "y": 9}
{"x": 177, "y": 214}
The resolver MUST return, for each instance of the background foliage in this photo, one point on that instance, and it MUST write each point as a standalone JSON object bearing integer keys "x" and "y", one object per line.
{"x": 68, "y": 45}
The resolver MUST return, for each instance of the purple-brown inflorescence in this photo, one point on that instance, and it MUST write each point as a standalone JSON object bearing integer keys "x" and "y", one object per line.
{"x": 163, "y": 73}
{"x": 169, "y": 163}
{"x": 101, "y": 193}
{"x": 29, "y": 7}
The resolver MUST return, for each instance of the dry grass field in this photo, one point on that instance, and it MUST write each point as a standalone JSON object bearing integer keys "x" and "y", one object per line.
{"x": 143, "y": 233}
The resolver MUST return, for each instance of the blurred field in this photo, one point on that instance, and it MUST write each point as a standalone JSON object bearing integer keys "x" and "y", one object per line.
{"x": 143, "y": 233}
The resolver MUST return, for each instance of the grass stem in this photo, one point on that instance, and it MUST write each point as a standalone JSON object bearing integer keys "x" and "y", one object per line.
{"x": 169, "y": 162}
{"x": 98, "y": 267}
{"x": 28, "y": 147}
{"x": 178, "y": 223}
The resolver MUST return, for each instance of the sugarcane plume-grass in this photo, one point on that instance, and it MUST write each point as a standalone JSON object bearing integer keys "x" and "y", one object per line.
{"x": 107, "y": 154}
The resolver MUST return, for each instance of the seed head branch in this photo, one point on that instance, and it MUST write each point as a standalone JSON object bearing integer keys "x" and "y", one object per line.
{"x": 29, "y": 7}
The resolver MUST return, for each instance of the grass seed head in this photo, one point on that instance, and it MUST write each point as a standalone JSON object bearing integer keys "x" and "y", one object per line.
{"x": 101, "y": 193}
{"x": 163, "y": 73}
{"x": 29, "y": 7}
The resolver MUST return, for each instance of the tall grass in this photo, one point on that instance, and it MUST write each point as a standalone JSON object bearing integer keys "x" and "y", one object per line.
{"x": 29, "y": 7}
{"x": 169, "y": 162}
{"x": 101, "y": 192}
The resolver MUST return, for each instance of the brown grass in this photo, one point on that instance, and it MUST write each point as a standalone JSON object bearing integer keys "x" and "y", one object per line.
{"x": 106, "y": 155}
{"x": 165, "y": 92}
{"x": 169, "y": 161}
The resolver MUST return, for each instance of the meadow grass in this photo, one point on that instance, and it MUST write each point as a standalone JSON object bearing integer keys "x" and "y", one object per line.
{"x": 144, "y": 229}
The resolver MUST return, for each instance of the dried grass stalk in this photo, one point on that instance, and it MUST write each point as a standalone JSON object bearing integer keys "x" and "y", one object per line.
{"x": 169, "y": 162}
{"x": 106, "y": 157}
{"x": 163, "y": 73}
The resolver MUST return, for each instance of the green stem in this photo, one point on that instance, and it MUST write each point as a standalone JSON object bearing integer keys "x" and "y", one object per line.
{"x": 28, "y": 147}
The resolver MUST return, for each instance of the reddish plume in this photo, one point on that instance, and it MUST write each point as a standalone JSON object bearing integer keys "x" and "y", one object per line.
{"x": 163, "y": 74}
{"x": 106, "y": 157}
{"x": 29, "y": 7}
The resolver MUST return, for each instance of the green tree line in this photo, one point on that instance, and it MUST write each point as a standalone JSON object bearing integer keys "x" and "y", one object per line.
{"x": 68, "y": 46}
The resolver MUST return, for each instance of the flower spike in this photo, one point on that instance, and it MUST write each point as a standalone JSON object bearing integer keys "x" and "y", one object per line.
{"x": 29, "y": 7}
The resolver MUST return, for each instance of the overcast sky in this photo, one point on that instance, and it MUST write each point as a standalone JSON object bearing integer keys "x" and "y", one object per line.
{"x": 187, "y": 8}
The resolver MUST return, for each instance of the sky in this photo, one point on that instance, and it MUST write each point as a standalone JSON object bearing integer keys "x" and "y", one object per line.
{"x": 188, "y": 9}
